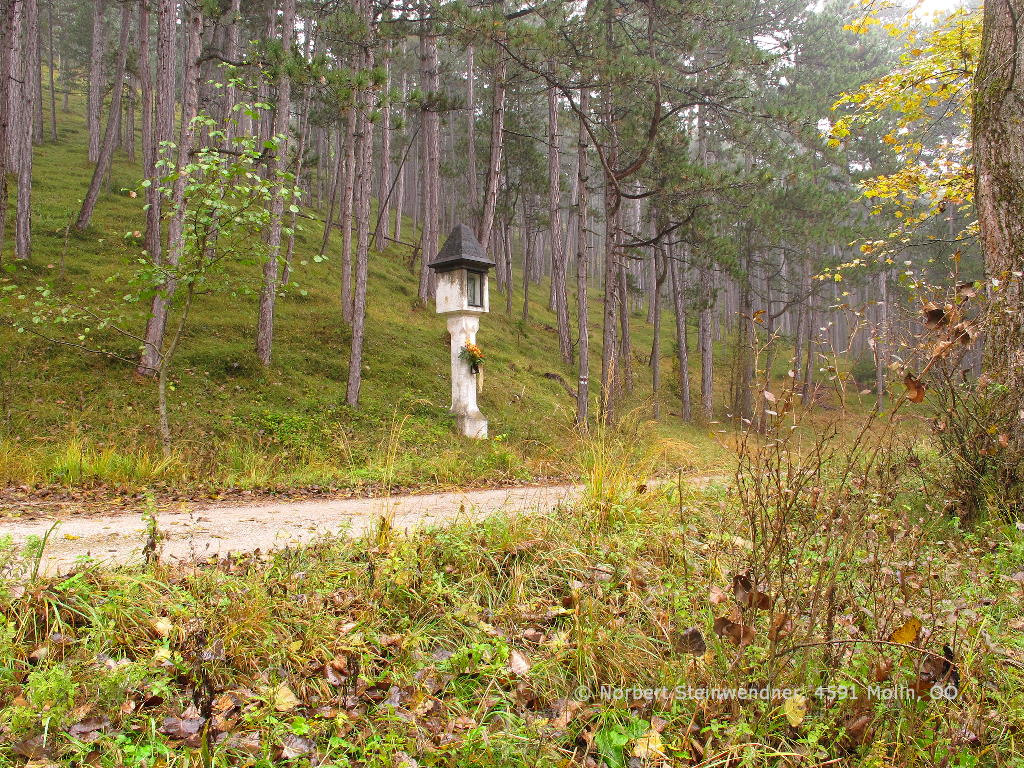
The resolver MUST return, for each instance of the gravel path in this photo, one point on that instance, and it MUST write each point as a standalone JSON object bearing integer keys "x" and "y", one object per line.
{"x": 216, "y": 530}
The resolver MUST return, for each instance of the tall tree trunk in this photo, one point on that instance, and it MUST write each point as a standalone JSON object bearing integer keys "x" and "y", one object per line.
{"x": 659, "y": 264}
{"x": 209, "y": 69}
{"x": 106, "y": 155}
{"x": 494, "y": 158}
{"x": 705, "y": 322}
{"x": 162, "y": 131}
{"x": 321, "y": 139}
{"x": 998, "y": 150}
{"x": 609, "y": 330}
{"x": 610, "y": 352}
{"x": 128, "y": 133}
{"x": 33, "y": 73}
{"x": 528, "y": 239}
{"x": 146, "y": 95}
{"x": 799, "y": 324}
{"x": 625, "y": 364}
{"x": 400, "y": 181}
{"x": 15, "y": 95}
{"x": 431, "y": 130}
{"x": 231, "y": 47}
{"x": 507, "y": 266}
{"x": 471, "y": 169}
{"x": 416, "y": 188}
{"x": 117, "y": 128}
{"x": 9, "y": 17}
{"x": 348, "y": 180}
{"x": 650, "y": 280}
{"x": 265, "y": 121}
{"x": 677, "y": 276}
{"x": 558, "y": 254}
{"x": 743, "y": 406}
{"x": 807, "y": 388}
{"x": 335, "y": 185}
{"x": 53, "y": 88}
{"x": 193, "y": 26}
{"x": 268, "y": 295}
{"x": 23, "y": 215}
{"x": 164, "y": 126}
{"x": 582, "y": 258}
{"x": 384, "y": 197}
{"x": 364, "y": 186}
{"x": 614, "y": 291}
{"x": 882, "y": 338}
{"x": 768, "y": 277}
{"x": 300, "y": 155}
{"x": 95, "y": 100}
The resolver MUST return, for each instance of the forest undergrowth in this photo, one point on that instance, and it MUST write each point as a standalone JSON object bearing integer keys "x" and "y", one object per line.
{"x": 817, "y": 609}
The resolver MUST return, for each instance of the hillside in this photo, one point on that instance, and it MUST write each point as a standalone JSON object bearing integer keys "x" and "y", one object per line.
{"x": 73, "y": 418}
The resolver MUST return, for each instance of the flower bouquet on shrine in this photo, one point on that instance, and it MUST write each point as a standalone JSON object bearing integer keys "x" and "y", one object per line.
{"x": 473, "y": 355}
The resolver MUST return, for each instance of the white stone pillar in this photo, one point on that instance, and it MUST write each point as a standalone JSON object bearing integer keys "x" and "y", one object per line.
{"x": 468, "y": 419}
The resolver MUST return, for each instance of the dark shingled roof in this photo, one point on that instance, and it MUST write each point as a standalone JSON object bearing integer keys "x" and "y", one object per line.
{"x": 461, "y": 249}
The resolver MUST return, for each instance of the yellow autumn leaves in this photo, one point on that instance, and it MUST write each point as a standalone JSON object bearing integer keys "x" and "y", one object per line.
{"x": 931, "y": 85}
{"x": 907, "y": 633}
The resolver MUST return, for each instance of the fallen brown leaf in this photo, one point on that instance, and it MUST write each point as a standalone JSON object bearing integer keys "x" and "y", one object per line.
{"x": 857, "y": 728}
{"x": 518, "y": 664}
{"x": 747, "y": 594}
{"x": 941, "y": 670}
{"x": 881, "y": 670}
{"x": 336, "y": 670}
{"x": 739, "y": 634}
{"x": 89, "y": 729}
{"x": 795, "y": 709}
{"x": 966, "y": 290}
{"x": 293, "y": 746}
{"x": 566, "y": 710}
{"x": 181, "y": 728}
{"x": 533, "y": 635}
{"x": 162, "y": 626}
{"x": 691, "y": 641}
{"x": 283, "y": 699}
{"x": 649, "y": 746}
{"x": 34, "y": 748}
{"x": 249, "y": 743}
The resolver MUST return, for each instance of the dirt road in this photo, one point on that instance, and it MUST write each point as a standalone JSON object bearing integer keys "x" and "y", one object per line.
{"x": 216, "y": 530}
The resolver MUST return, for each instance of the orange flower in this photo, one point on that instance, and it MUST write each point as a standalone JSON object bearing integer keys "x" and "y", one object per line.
{"x": 472, "y": 354}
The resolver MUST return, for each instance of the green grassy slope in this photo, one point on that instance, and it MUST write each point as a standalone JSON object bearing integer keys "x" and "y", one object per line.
{"x": 70, "y": 417}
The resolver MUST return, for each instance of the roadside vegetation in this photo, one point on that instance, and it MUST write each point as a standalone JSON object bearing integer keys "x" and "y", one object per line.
{"x": 583, "y": 636}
